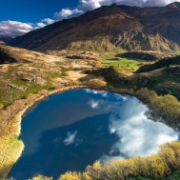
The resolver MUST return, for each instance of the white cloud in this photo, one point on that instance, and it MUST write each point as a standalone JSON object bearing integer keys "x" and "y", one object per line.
{"x": 84, "y": 6}
{"x": 41, "y": 25}
{"x": 48, "y": 20}
{"x": 14, "y": 28}
{"x": 88, "y": 5}
{"x": 67, "y": 13}
{"x": 137, "y": 135}
{"x": 70, "y": 139}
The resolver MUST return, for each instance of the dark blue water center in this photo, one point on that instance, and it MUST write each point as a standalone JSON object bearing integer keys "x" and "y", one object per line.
{"x": 71, "y": 130}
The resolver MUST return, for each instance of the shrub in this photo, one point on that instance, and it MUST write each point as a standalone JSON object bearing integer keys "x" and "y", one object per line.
{"x": 1, "y": 106}
{"x": 40, "y": 177}
{"x": 96, "y": 83}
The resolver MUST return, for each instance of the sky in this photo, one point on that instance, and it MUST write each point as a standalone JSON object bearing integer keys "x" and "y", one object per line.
{"x": 18, "y": 17}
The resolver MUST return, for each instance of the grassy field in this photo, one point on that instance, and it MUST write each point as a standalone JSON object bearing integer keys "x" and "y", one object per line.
{"x": 107, "y": 58}
{"x": 127, "y": 65}
{"x": 174, "y": 53}
{"x": 17, "y": 89}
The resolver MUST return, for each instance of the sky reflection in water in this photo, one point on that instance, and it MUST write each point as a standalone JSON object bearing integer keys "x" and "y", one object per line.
{"x": 71, "y": 130}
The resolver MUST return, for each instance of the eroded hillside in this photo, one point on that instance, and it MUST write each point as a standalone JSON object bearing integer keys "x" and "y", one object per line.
{"x": 110, "y": 28}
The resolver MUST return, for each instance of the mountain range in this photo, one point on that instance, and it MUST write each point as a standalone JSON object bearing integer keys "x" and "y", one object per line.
{"x": 110, "y": 28}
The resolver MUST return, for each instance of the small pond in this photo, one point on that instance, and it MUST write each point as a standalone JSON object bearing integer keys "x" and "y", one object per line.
{"x": 71, "y": 130}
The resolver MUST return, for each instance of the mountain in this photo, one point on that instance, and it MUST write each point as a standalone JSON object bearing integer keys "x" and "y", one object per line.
{"x": 110, "y": 28}
{"x": 5, "y": 39}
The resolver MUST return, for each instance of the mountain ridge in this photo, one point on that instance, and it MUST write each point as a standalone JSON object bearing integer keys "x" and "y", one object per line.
{"x": 5, "y": 39}
{"x": 110, "y": 28}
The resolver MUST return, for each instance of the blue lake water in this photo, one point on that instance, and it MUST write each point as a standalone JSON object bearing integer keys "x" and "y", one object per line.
{"x": 71, "y": 130}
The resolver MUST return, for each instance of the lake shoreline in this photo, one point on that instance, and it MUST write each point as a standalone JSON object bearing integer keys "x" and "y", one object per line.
{"x": 17, "y": 119}
{"x": 18, "y": 116}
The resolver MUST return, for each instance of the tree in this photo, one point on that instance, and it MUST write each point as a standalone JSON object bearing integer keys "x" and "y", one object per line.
{"x": 40, "y": 177}
{"x": 94, "y": 170}
{"x": 70, "y": 176}
{"x": 169, "y": 154}
{"x": 175, "y": 176}
{"x": 158, "y": 167}
{"x": 141, "y": 166}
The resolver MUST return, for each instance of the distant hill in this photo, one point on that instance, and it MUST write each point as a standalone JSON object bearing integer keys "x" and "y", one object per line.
{"x": 5, "y": 39}
{"x": 110, "y": 28}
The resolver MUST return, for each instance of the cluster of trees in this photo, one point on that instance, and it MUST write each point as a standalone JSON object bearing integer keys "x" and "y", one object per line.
{"x": 166, "y": 106}
{"x": 40, "y": 177}
{"x": 175, "y": 176}
{"x": 154, "y": 167}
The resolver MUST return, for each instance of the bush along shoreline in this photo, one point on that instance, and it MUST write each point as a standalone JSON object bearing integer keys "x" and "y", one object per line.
{"x": 164, "y": 165}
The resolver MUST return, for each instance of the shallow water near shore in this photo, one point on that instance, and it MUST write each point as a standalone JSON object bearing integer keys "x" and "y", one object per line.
{"x": 68, "y": 131}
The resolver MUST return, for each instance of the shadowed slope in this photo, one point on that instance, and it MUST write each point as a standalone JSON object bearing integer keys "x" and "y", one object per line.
{"x": 110, "y": 28}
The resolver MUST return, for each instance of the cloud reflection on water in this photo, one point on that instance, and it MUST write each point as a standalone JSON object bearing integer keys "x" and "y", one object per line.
{"x": 65, "y": 130}
{"x": 102, "y": 93}
{"x": 136, "y": 133}
{"x": 70, "y": 139}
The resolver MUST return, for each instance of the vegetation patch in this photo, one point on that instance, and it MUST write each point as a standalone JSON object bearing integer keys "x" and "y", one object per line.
{"x": 174, "y": 53}
{"x": 124, "y": 64}
{"x": 53, "y": 75}
{"x": 7, "y": 156}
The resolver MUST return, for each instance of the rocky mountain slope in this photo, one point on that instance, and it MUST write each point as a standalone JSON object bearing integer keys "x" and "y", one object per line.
{"x": 110, "y": 28}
